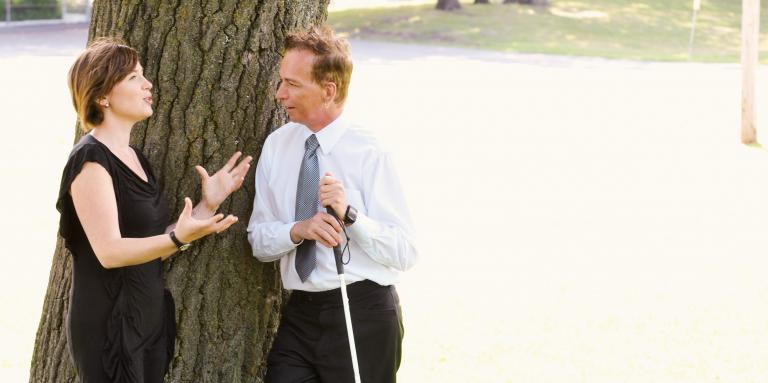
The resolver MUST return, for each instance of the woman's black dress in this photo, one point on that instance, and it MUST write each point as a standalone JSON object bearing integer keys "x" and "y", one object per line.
{"x": 121, "y": 321}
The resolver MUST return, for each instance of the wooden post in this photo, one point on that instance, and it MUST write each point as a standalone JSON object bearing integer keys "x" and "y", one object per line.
{"x": 750, "y": 29}
{"x": 696, "y": 7}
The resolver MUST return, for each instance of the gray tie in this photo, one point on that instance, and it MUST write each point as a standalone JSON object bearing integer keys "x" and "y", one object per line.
{"x": 307, "y": 205}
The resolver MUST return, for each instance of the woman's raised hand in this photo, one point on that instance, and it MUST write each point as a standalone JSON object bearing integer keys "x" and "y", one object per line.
{"x": 220, "y": 185}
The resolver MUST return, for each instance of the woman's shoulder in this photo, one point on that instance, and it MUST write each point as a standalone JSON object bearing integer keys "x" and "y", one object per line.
{"x": 88, "y": 149}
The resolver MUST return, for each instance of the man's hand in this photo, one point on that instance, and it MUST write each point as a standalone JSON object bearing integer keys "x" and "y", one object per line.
{"x": 322, "y": 227}
{"x": 218, "y": 187}
{"x": 332, "y": 194}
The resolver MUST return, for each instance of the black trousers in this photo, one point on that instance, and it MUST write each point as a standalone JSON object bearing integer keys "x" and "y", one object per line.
{"x": 311, "y": 345}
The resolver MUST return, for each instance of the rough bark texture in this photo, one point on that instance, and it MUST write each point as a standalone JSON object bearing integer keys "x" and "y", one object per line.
{"x": 448, "y": 5}
{"x": 214, "y": 69}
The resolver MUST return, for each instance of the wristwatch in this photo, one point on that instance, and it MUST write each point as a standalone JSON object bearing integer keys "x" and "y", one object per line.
{"x": 350, "y": 216}
{"x": 179, "y": 245}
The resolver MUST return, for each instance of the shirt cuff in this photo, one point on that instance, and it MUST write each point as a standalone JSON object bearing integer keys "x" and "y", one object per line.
{"x": 361, "y": 231}
{"x": 285, "y": 237}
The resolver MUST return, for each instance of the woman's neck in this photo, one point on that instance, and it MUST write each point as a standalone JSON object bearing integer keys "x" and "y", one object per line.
{"x": 114, "y": 135}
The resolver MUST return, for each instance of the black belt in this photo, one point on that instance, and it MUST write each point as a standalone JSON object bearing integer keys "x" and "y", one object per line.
{"x": 356, "y": 289}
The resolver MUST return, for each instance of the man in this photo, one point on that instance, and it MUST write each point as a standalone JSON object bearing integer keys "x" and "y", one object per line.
{"x": 320, "y": 159}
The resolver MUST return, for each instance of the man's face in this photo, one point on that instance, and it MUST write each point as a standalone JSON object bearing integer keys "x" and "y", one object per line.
{"x": 298, "y": 93}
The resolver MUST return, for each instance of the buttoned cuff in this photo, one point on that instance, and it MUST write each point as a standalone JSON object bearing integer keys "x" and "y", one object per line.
{"x": 285, "y": 237}
{"x": 361, "y": 231}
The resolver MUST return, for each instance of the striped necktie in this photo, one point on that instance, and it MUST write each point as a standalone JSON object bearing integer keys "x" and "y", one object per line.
{"x": 307, "y": 205}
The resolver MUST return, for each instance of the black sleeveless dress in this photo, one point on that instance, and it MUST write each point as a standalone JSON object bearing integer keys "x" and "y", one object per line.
{"x": 121, "y": 325}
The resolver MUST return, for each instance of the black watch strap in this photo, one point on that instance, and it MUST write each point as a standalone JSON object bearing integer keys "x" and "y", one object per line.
{"x": 179, "y": 245}
{"x": 350, "y": 216}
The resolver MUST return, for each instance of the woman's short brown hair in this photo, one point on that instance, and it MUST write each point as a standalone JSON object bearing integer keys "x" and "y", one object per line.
{"x": 332, "y": 59}
{"x": 95, "y": 72}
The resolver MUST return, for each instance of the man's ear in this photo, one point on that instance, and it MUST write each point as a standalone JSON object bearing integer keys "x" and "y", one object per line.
{"x": 329, "y": 91}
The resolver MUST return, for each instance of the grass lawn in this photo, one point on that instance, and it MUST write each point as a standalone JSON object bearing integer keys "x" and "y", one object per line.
{"x": 626, "y": 29}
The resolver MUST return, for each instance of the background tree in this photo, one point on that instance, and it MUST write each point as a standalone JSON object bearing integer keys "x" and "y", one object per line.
{"x": 213, "y": 66}
{"x": 448, "y": 5}
{"x": 482, "y": 2}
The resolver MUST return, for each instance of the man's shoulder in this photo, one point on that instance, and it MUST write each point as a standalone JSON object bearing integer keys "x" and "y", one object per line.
{"x": 282, "y": 133}
{"x": 363, "y": 137}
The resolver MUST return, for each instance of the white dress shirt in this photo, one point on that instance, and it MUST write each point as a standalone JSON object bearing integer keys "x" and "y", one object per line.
{"x": 381, "y": 240}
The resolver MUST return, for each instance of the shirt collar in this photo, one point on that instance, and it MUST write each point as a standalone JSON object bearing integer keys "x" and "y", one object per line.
{"x": 330, "y": 134}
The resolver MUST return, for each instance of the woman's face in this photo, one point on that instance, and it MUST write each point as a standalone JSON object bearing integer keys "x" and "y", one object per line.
{"x": 131, "y": 98}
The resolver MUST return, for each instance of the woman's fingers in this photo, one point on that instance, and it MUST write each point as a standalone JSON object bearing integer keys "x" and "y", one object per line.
{"x": 241, "y": 169}
{"x": 187, "y": 211}
{"x": 202, "y": 172}
{"x": 224, "y": 224}
{"x": 232, "y": 161}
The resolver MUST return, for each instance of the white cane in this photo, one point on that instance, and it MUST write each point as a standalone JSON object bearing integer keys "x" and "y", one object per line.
{"x": 337, "y": 254}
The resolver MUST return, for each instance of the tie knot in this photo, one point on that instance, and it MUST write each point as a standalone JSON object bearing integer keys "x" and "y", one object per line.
{"x": 311, "y": 144}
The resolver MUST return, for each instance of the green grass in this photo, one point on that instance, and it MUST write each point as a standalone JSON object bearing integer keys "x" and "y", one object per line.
{"x": 624, "y": 29}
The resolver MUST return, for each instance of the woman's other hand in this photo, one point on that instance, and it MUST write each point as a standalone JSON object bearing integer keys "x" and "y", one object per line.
{"x": 189, "y": 228}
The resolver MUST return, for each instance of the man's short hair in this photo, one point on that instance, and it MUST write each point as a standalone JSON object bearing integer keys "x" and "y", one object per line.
{"x": 332, "y": 63}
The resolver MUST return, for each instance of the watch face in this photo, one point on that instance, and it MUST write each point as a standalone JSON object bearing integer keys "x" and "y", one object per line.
{"x": 184, "y": 246}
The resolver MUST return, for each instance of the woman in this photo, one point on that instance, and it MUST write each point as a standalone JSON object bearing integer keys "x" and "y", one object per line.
{"x": 114, "y": 220}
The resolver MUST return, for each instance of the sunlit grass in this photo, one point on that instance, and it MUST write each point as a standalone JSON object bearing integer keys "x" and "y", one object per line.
{"x": 625, "y": 29}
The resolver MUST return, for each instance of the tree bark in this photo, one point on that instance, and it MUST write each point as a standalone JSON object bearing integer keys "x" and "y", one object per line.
{"x": 214, "y": 70}
{"x": 448, "y": 5}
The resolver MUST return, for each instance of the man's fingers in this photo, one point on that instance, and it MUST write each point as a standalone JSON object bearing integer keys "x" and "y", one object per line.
{"x": 329, "y": 199}
{"x": 323, "y": 231}
{"x": 328, "y": 180}
{"x": 328, "y": 189}
{"x": 332, "y": 221}
{"x": 324, "y": 237}
{"x": 335, "y": 235}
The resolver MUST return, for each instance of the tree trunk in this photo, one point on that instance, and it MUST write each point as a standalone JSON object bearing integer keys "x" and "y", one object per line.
{"x": 214, "y": 70}
{"x": 448, "y": 5}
